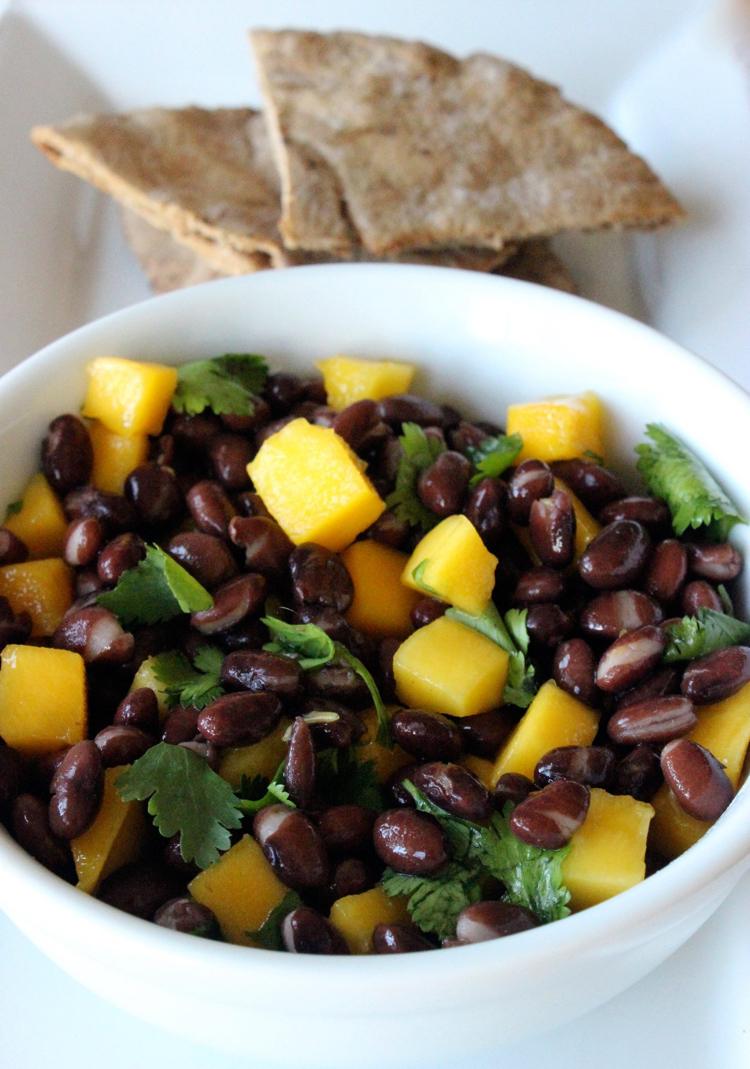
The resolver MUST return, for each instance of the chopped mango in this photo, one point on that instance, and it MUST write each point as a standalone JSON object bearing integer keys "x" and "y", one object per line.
{"x": 40, "y": 522}
{"x": 42, "y": 698}
{"x": 608, "y": 852}
{"x": 448, "y": 668}
{"x": 559, "y": 428}
{"x": 381, "y": 605}
{"x": 241, "y": 889}
{"x": 115, "y": 838}
{"x": 356, "y": 916}
{"x": 146, "y": 677}
{"x": 386, "y": 759}
{"x": 42, "y": 588}
{"x": 127, "y": 396}
{"x": 115, "y": 456}
{"x": 587, "y": 527}
{"x": 260, "y": 759}
{"x": 724, "y": 729}
{"x": 314, "y": 486}
{"x": 554, "y": 718}
{"x": 348, "y": 380}
{"x": 455, "y": 564}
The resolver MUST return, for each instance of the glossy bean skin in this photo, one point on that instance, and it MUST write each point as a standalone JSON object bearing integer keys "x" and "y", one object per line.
{"x": 299, "y": 771}
{"x": 426, "y": 610}
{"x": 337, "y": 682}
{"x": 590, "y": 765}
{"x": 351, "y": 876}
{"x": 83, "y": 540}
{"x": 442, "y": 486}
{"x": 119, "y": 556}
{"x": 76, "y": 790}
{"x": 574, "y": 668}
{"x": 30, "y": 826}
{"x": 11, "y": 776}
{"x": 193, "y": 434}
{"x": 181, "y": 725}
{"x": 258, "y": 670}
{"x": 305, "y": 931}
{"x": 648, "y": 511}
{"x": 12, "y": 549}
{"x": 658, "y": 684}
{"x": 484, "y": 733}
{"x": 552, "y": 525}
{"x": 487, "y": 508}
{"x": 453, "y": 788}
{"x": 282, "y": 391}
{"x": 154, "y": 493}
{"x": 140, "y": 889}
{"x": 353, "y": 422}
{"x": 293, "y": 846}
{"x": 720, "y": 562}
{"x": 595, "y": 485}
{"x": 114, "y": 512}
{"x": 139, "y": 709}
{"x": 408, "y": 408}
{"x": 666, "y": 570}
{"x": 548, "y": 625}
{"x": 638, "y": 774}
{"x": 319, "y": 578}
{"x": 210, "y": 507}
{"x": 492, "y": 920}
{"x": 337, "y": 733}
{"x": 184, "y": 914}
{"x": 389, "y": 530}
{"x": 616, "y": 556}
{"x": 652, "y": 720}
{"x": 426, "y": 736}
{"x": 233, "y": 602}
{"x": 67, "y": 454}
{"x": 239, "y": 719}
{"x": 398, "y": 939}
{"x": 537, "y": 586}
{"x": 230, "y": 455}
{"x": 96, "y": 634}
{"x": 206, "y": 558}
{"x": 346, "y": 829}
{"x": 512, "y": 787}
{"x": 696, "y": 779}
{"x": 250, "y": 504}
{"x": 121, "y": 744}
{"x": 717, "y": 676}
{"x": 265, "y": 545}
{"x": 410, "y": 842}
{"x": 630, "y": 657}
{"x": 531, "y": 481}
{"x": 549, "y": 818}
{"x": 608, "y": 615}
{"x": 699, "y": 594}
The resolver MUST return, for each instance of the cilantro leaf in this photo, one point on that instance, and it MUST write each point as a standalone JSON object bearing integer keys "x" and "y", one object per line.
{"x": 269, "y": 934}
{"x": 343, "y": 780}
{"x": 694, "y": 497}
{"x": 197, "y": 685}
{"x": 226, "y": 384}
{"x": 511, "y": 635}
{"x": 706, "y": 632}
{"x": 435, "y": 901}
{"x": 384, "y": 730}
{"x": 419, "y": 450}
{"x": 306, "y": 643}
{"x": 493, "y": 455}
{"x": 186, "y": 797}
{"x": 13, "y": 509}
{"x": 418, "y": 577}
{"x": 158, "y": 588}
{"x": 275, "y": 791}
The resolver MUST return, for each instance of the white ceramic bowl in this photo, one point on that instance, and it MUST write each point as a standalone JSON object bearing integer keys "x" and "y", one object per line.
{"x": 480, "y": 342}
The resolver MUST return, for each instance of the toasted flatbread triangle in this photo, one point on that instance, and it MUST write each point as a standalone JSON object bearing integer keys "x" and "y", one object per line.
{"x": 394, "y": 144}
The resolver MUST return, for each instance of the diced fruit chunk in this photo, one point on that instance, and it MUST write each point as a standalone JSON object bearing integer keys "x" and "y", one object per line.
{"x": 448, "y": 668}
{"x": 382, "y": 604}
{"x": 40, "y": 522}
{"x": 127, "y": 396}
{"x": 457, "y": 565}
{"x": 724, "y": 729}
{"x": 260, "y": 759}
{"x": 146, "y": 677}
{"x": 587, "y": 527}
{"x": 480, "y": 767}
{"x": 114, "y": 839}
{"x": 42, "y": 698}
{"x": 554, "y": 718}
{"x": 115, "y": 456}
{"x": 386, "y": 759}
{"x": 608, "y": 852}
{"x": 559, "y": 428}
{"x": 348, "y": 380}
{"x": 356, "y": 916}
{"x": 314, "y": 486}
{"x": 241, "y": 889}
{"x": 42, "y": 588}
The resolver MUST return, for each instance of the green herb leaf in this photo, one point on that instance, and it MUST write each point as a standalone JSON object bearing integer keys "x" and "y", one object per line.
{"x": 197, "y": 685}
{"x": 306, "y": 643}
{"x": 269, "y": 934}
{"x": 435, "y": 901}
{"x": 384, "y": 730}
{"x": 493, "y": 455}
{"x": 706, "y": 632}
{"x": 509, "y": 634}
{"x": 419, "y": 451}
{"x": 226, "y": 384}
{"x": 185, "y": 797}
{"x": 13, "y": 509}
{"x": 418, "y": 577}
{"x": 343, "y": 780}
{"x": 694, "y": 497}
{"x": 725, "y": 599}
{"x": 158, "y": 588}
{"x": 274, "y": 792}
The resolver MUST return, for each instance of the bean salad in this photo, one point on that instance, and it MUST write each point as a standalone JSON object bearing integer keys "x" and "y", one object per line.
{"x": 324, "y": 666}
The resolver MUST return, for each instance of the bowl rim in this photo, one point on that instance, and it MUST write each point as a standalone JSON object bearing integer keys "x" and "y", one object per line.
{"x": 726, "y": 846}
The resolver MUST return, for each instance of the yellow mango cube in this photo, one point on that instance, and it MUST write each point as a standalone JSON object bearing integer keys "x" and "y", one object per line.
{"x": 559, "y": 428}
{"x": 587, "y": 527}
{"x": 348, "y": 379}
{"x": 40, "y": 522}
{"x": 448, "y": 668}
{"x": 241, "y": 889}
{"x": 608, "y": 852}
{"x": 554, "y": 718}
{"x": 260, "y": 759}
{"x": 147, "y": 677}
{"x": 724, "y": 729}
{"x": 314, "y": 486}
{"x": 456, "y": 565}
{"x": 480, "y": 767}
{"x": 386, "y": 759}
{"x": 357, "y": 916}
{"x": 42, "y": 588}
{"x": 116, "y": 837}
{"x": 381, "y": 605}
{"x": 42, "y": 698}
{"x": 115, "y": 456}
{"x": 127, "y": 396}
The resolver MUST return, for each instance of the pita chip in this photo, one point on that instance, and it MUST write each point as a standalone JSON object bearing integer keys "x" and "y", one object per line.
{"x": 536, "y": 262}
{"x": 395, "y": 145}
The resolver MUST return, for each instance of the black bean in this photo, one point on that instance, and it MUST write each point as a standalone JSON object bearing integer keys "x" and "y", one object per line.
{"x": 719, "y": 562}
{"x": 389, "y": 530}
{"x": 531, "y": 481}
{"x": 266, "y": 546}
{"x": 258, "y": 670}
{"x": 410, "y": 842}
{"x": 638, "y": 774}
{"x": 87, "y": 582}
{"x": 114, "y": 512}
{"x": 30, "y": 825}
{"x": 76, "y": 790}
{"x": 206, "y": 557}
{"x": 293, "y": 846}
{"x": 233, "y": 602}
{"x": 12, "y": 549}
{"x": 248, "y": 421}
{"x": 210, "y": 507}
{"x": 172, "y": 857}
{"x": 659, "y": 684}
{"x": 181, "y": 725}
{"x": 666, "y": 570}
{"x": 487, "y": 507}
{"x": 11, "y": 776}
{"x": 717, "y": 675}
{"x": 407, "y": 408}
{"x": 184, "y": 914}
{"x": 83, "y": 540}
{"x": 239, "y": 719}
{"x": 442, "y": 486}
{"x": 453, "y": 788}
{"x": 590, "y": 765}
{"x": 250, "y": 504}
{"x": 574, "y": 667}
{"x": 299, "y": 771}
{"x": 697, "y": 595}
{"x": 484, "y": 733}
{"x": 596, "y": 486}
{"x": 648, "y": 511}
{"x": 156, "y": 497}
{"x": 96, "y": 634}
{"x": 539, "y": 585}
{"x": 492, "y": 920}
{"x": 427, "y": 736}
{"x": 608, "y": 615}
{"x": 652, "y": 720}
{"x": 351, "y": 876}
{"x": 630, "y": 657}
{"x": 282, "y": 390}
{"x": 466, "y": 437}
{"x": 230, "y": 455}
{"x": 140, "y": 889}
{"x": 119, "y": 556}
{"x": 398, "y": 939}
{"x": 548, "y": 625}
{"x": 549, "y": 818}
{"x": 426, "y": 610}
{"x": 67, "y": 453}
{"x": 319, "y": 578}
{"x": 346, "y": 829}
{"x": 616, "y": 556}
{"x": 339, "y": 682}
{"x": 697, "y": 780}
{"x": 121, "y": 744}
{"x": 194, "y": 433}
{"x": 139, "y": 709}
{"x": 305, "y": 931}
{"x": 354, "y": 422}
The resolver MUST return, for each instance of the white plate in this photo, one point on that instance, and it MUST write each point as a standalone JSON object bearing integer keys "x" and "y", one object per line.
{"x": 668, "y": 77}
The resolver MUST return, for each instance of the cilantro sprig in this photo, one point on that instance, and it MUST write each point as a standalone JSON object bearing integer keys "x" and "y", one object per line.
{"x": 706, "y": 632}
{"x": 344, "y": 780}
{"x": 493, "y": 455}
{"x": 269, "y": 935}
{"x": 196, "y": 685}
{"x": 509, "y": 632}
{"x": 157, "y": 589}
{"x": 227, "y": 385}
{"x": 672, "y": 471}
{"x": 268, "y": 792}
{"x": 418, "y": 452}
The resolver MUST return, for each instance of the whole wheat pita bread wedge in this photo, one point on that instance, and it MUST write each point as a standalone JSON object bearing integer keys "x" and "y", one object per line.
{"x": 536, "y": 262}
{"x": 395, "y": 144}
